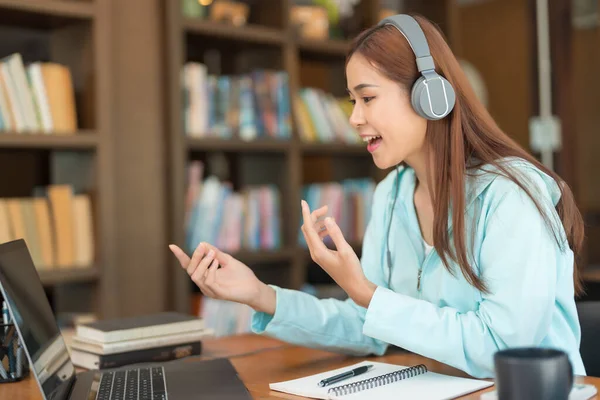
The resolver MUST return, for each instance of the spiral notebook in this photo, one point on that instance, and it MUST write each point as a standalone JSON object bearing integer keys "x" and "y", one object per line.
{"x": 384, "y": 381}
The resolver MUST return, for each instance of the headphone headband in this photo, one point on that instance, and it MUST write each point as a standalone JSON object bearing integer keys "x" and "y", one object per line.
{"x": 413, "y": 33}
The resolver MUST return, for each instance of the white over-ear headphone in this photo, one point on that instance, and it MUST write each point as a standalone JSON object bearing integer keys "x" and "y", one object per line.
{"x": 432, "y": 96}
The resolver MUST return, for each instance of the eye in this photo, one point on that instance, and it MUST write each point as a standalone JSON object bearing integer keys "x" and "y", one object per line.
{"x": 368, "y": 99}
{"x": 352, "y": 101}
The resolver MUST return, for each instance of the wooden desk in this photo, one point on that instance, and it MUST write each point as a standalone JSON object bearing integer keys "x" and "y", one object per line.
{"x": 260, "y": 360}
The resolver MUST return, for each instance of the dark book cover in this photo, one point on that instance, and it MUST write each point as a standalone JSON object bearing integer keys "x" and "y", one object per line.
{"x": 157, "y": 354}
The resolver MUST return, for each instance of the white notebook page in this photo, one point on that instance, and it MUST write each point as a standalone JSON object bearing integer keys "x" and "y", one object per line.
{"x": 430, "y": 385}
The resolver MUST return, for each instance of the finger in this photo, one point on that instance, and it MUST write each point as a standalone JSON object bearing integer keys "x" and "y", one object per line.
{"x": 198, "y": 274}
{"x": 318, "y": 213}
{"x": 211, "y": 275}
{"x": 313, "y": 241}
{"x": 320, "y": 226}
{"x": 336, "y": 235}
{"x": 324, "y": 233}
{"x": 196, "y": 258}
{"x": 219, "y": 255}
{"x": 205, "y": 289}
{"x": 183, "y": 258}
{"x": 206, "y": 286}
{"x": 223, "y": 258}
{"x": 321, "y": 229}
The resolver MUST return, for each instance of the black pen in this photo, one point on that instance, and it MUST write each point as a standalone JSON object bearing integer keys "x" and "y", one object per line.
{"x": 345, "y": 375}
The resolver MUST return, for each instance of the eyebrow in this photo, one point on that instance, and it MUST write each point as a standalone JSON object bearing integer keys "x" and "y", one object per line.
{"x": 362, "y": 86}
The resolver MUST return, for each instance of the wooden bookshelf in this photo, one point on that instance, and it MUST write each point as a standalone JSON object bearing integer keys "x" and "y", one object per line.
{"x": 75, "y": 34}
{"x": 83, "y": 140}
{"x": 61, "y": 8}
{"x": 308, "y": 63}
{"x": 336, "y": 48}
{"x": 251, "y": 34}
{"x": 212, "y": 144}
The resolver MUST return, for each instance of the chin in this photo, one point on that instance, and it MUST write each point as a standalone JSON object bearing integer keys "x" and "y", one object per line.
{"x": 384, "y": 161}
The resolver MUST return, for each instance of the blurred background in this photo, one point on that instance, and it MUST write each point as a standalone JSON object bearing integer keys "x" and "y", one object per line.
{"x": 126, "y": 125}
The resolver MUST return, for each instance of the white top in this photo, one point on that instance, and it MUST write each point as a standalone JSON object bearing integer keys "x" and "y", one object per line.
{"x": 428, "y": 248}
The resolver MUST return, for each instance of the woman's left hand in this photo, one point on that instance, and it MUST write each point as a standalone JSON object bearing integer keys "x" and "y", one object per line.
{"x": 341, "y": 264}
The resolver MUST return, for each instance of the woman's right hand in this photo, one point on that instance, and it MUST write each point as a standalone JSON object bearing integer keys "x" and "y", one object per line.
{"x": 233, "y": 281}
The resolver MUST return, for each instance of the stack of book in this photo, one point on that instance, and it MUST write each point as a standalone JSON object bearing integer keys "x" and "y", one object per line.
{"x": 147, "y": 338}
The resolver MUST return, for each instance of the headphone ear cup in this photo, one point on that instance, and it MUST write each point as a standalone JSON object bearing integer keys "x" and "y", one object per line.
{"x": 435, "y": 103}
{"x": 447, "y": 96}
{"x": 415, "y": 96}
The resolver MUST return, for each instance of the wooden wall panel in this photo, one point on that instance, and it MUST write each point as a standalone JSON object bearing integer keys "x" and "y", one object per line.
{"x": 494, "y": 36}
{"x": 586, "y": 97}
{"x": 139, "y": 110}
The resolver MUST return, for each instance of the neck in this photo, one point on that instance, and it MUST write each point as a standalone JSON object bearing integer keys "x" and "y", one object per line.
{"x": 418, "y": 163}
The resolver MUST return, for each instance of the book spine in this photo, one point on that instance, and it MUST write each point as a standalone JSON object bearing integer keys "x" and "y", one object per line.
{"x": 157, "y": 354}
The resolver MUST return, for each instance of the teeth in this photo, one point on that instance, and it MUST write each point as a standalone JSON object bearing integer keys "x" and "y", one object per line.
{"x": 369, "y": 138}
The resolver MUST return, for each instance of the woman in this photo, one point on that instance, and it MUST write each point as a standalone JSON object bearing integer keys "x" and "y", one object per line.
{"x": 471, "y": 244}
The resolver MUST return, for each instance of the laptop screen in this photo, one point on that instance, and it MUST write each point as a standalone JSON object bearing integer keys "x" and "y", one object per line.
{"x": 34, "y": 320}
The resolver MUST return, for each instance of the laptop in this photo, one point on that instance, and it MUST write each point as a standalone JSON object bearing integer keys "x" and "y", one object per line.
{"x": 50, "y": 363}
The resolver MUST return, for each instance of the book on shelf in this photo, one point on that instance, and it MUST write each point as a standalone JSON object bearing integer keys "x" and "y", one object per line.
{"x": 56, "y": 224}
{"x": 247, "y": 106}
{"x": 231, "y": 220}
{"x": 38, "y": 97}
{"x": 154, "y": 354}
{"x": 349, "y": 203}
{"x": 139, "y": 327}
{"x": 322, "y": 117}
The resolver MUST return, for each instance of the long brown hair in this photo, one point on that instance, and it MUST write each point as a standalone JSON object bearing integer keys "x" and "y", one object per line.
{"x": 468, "y": 133}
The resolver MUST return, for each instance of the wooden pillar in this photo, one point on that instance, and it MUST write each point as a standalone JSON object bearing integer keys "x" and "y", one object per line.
{"x": 561, "y": 49}
{"x": 139, "y": 156}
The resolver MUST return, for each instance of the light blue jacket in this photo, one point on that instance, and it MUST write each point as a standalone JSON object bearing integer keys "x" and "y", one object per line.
{"x": 530, "y": 278}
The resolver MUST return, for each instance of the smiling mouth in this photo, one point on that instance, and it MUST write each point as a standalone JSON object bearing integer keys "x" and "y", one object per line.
{"x": 373, "y": 142}
{"x": 371, "y": 139}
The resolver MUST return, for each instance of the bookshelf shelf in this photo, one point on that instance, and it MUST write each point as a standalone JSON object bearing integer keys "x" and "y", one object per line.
{"x": 69, "y": 275}
{"x": 250, "y": 33}
{"x": 78, "y": 9}
{"x": 84, "y": 140}
{"x": 336, "y": 48}
{"x": 205, "y": 144}
{"x": 334, "y": 148}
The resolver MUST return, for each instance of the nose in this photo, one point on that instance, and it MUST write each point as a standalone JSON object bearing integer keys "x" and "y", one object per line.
{"x": 356, "y": 118}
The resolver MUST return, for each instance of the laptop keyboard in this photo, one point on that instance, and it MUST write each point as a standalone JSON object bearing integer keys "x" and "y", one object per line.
{"x": 133, "y": 384}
